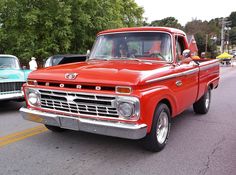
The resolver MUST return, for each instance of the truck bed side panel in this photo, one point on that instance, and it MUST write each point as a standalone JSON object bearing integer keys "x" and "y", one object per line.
{"x": 208, "y": 76}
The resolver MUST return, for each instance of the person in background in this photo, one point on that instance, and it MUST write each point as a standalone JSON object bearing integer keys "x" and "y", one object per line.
{"x": 33, "y": 64}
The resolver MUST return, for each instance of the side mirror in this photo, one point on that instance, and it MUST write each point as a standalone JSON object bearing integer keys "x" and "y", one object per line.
{"x": 88, "y": 54}
{"x": 186, "y": 57}
{"x": 186, "y": 53}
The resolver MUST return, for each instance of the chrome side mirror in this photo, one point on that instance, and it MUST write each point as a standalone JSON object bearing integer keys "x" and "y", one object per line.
{"x": 87, "y": 54}
{"x": 186, "y": 53}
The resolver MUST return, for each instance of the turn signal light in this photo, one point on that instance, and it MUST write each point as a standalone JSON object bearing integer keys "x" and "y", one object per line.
{"x": 32, "y": 82}
{"x": 123, "y": 90}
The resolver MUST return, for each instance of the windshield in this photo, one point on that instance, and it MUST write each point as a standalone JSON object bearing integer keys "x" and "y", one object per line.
{"x": 9, "y": 63}
{"x": 53, "y": 60}
{"x": 139, "y": 45}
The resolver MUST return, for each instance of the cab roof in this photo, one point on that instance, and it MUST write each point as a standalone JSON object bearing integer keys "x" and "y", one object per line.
{"x": 143, "y": 29}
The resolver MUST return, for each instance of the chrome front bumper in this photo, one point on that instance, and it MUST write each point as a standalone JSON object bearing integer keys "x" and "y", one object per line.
{"x": 115, "y": 129}
{"x": 12, "y": 96}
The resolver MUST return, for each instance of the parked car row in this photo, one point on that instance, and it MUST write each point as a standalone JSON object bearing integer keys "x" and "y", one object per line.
{"x": 13, "y": 76}
{"x": 234, "y": 53}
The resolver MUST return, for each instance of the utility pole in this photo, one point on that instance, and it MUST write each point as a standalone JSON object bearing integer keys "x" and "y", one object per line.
{"x": 224, "y": 24}
{"x": 206, "y": 44}
{"x": 222, "y": 36}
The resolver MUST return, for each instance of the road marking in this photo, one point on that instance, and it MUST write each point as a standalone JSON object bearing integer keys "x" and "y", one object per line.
{"x": 15, "y": 137}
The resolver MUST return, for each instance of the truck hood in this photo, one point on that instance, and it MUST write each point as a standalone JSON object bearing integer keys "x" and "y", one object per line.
{"x": 115, "y": 72}
{"x": 11, "y": 75}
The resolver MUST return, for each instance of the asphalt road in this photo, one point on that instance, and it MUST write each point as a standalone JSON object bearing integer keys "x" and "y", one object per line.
{"x": 198, "y": 144}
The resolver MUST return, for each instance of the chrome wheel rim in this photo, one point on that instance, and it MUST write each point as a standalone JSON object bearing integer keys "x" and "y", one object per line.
{"x": 207, "y": 102}
{"x": 162, "y": 127}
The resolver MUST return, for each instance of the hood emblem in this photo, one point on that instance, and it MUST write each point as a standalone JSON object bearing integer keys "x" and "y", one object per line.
{"x": 70, "y": 76}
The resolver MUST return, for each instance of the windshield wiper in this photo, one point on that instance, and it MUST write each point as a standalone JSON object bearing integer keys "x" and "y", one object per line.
{"x": 146, "y": 60}
{"x": 103, "y": 59}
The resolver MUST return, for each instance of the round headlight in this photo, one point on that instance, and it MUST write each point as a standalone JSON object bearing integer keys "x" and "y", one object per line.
{"x": 125, "y": 109}
{"x": 33, "y": 98}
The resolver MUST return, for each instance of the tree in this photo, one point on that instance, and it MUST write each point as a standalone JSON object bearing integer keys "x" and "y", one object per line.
{"x": 232, "y": 18}
{"x": 132, "y": 14}
{"x": 91, "y": 16}
{"x": 232, "y": 33}
{"x": 167, "y": 22}
{"x": 35, "y": 28}
{"x": 44, "y": 28}
{"x": 203, "y": 32}
{"x": 232, "y": 36}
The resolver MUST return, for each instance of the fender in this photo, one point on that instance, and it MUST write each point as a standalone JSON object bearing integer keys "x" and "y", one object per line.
{"x": 214, "y": 83}
{"x": 149, "y": 100}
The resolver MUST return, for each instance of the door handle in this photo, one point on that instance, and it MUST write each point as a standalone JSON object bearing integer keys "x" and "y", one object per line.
{"x": 179, "y": 83}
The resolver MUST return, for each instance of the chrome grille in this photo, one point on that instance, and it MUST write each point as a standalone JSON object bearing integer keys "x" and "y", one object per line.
{"x": 79, "y": 103}
{"x": 10, "y": 87}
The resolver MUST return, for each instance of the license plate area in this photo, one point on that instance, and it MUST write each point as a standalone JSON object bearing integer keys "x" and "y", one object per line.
{"x": 69, "y": 123}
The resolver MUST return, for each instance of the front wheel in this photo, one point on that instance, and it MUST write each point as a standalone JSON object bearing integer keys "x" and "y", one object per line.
{"x": 156, "y": 140}
{"x": 202, "y": 106}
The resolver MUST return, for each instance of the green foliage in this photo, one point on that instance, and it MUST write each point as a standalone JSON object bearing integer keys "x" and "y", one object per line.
{"x": 167, "y": 22}
{"x": 132, "y": 14}
{"x": 232, "y": 35}
{"x": 35, "y": 28}
{"x": 202, "y": 31}
{"x": 43, "y": 28}
{"x": 232, "y": 18}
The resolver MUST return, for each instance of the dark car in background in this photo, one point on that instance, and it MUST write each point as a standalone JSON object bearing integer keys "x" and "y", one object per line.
{"x": 234, "y": 53}
{"x": 64, "y": 59}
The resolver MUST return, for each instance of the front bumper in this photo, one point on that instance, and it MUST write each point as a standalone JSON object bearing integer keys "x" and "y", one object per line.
{"x": 115, "y": 129}
{"x": 12, "y": 96}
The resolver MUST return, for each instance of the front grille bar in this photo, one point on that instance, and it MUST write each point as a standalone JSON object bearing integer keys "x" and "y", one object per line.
{"x": 10, "y": 87}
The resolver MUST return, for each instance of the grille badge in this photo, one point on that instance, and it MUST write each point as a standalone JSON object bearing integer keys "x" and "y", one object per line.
{"x": 78, "y": 86}
{"x": 70, "y": 76}
{"x": 98, "y": 88}
{"x": 70, "y": 99}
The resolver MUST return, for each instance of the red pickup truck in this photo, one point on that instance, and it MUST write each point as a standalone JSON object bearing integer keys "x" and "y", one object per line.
{"x": 134, "y": 81}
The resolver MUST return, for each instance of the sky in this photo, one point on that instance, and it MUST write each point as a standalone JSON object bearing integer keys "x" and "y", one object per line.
{"x": 186, "y": 10}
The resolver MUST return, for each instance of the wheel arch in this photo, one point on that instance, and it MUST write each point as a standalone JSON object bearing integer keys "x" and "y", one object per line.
{"x": 168, "y": 103}
{"x": 150, "y": 101}
{"x": 211, "y": 86}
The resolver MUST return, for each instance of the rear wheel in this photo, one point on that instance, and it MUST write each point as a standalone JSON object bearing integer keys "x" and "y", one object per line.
{"x": 156, "y": 140}
{"x": 202, "y": 106}
{"x": 54, "y": 128}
